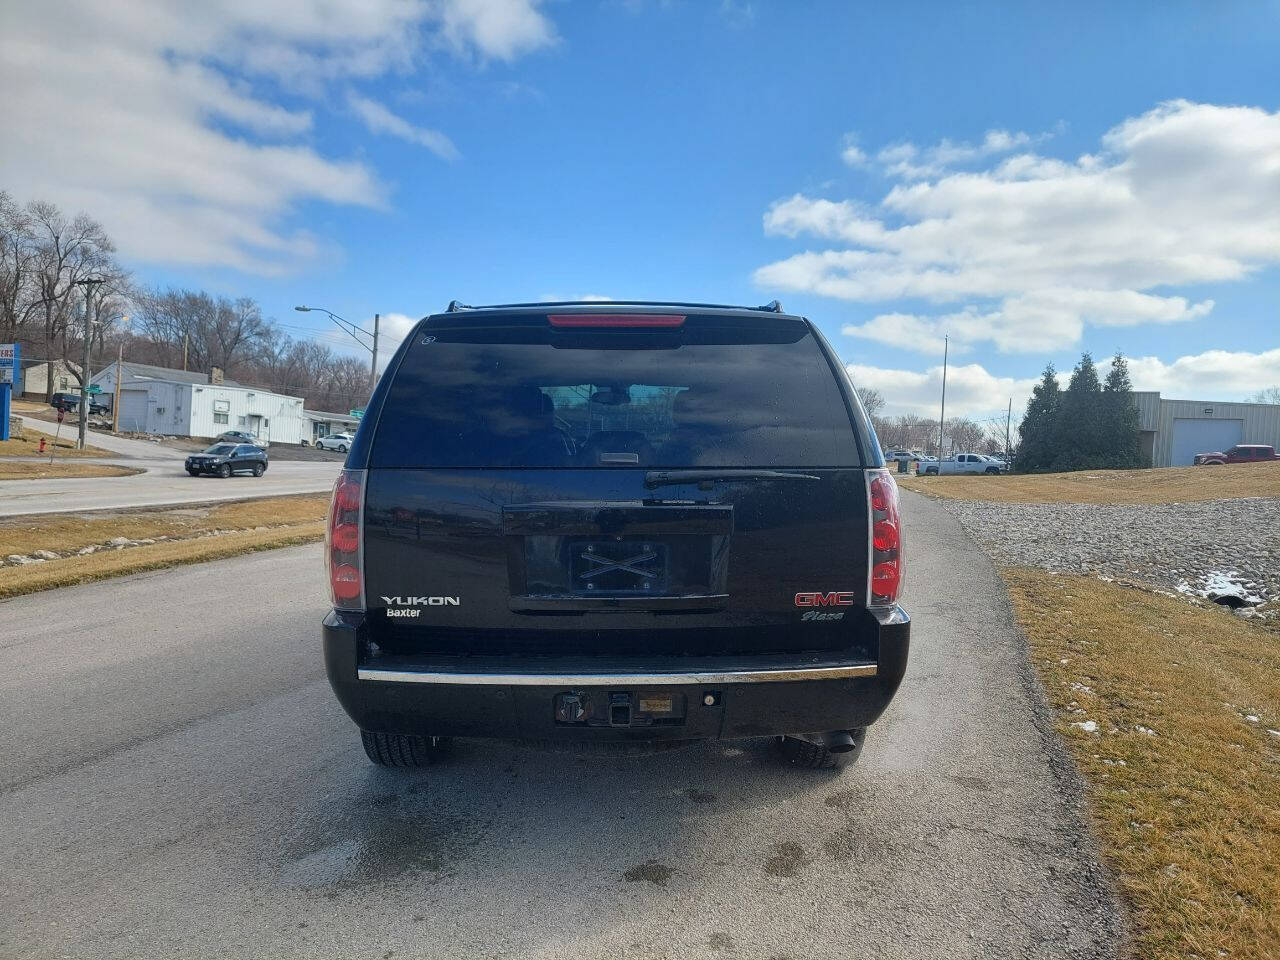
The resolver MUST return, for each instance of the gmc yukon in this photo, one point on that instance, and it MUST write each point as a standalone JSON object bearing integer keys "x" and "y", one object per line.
{"x": 628, "y": 525}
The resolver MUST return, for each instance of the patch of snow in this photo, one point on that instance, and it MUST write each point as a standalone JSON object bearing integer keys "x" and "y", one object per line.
{"x": 1088, "y": 726}
{"x": 1251, "y": 718}
{"x": 1222, "y": 583}
{"x": 1145, "y": 731}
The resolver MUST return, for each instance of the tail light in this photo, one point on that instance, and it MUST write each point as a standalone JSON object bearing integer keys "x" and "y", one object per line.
{"x": 344, "y": 552}
{"x": 888, "y": 569}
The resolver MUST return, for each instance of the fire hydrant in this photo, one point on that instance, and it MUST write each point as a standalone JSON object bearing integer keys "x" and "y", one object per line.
{"x": 42, "y": 444}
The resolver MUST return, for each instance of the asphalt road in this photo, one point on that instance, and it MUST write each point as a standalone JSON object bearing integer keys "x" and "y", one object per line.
{"x": 177, "y": 781}
{"x": 165, "y": 482}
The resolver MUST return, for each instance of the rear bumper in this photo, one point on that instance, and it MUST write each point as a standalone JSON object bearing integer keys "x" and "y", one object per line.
{"x": 504, "y": 698}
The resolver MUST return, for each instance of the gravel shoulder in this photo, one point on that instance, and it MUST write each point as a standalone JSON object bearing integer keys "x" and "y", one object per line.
{"x": 172, "y": 759}
{"x": 1193, "y": 549}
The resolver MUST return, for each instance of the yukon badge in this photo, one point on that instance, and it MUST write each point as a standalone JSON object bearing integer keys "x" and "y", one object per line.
{"x": 406, "y": 608}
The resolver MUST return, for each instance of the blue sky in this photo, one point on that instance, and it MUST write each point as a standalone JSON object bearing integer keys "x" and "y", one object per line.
{"x": 393, "y": 156}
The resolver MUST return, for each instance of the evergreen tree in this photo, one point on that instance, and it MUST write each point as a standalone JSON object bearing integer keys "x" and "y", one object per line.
{"x": 1035, "y": 448}
{"x": 1078, "y": 437}
{"x": 1120, "y": 423}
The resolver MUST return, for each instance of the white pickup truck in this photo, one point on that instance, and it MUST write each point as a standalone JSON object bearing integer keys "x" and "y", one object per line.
{"x": 963, "y": 463}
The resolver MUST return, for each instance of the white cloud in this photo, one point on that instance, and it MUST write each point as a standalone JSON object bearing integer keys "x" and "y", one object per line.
{"x": 910, "y": 162}
{"x": 381, "y": 120}
{"x": 179, "y": 124}
{"x": 1034, "y": 248}
{"x": 503, "y": 29}
{"x": 971, "y": 390}
{"x": 1212, "y": 375}
{"x": 1217, "y": 375}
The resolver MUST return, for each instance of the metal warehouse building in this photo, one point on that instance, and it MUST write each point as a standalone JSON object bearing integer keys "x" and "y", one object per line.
{"x": 189, "y": 404}
{"x": 1174, "y": 431}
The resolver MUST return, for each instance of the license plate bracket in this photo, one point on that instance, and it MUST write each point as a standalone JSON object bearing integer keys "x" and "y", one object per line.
{"x": 619, "y": 567}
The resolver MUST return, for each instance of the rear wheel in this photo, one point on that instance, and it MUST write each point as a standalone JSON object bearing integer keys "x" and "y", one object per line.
{"x": 259, "y": 469}
{"x": 817, "y": 756}
{"x": 402, "y": 750}
{"x": 342, "y": 448}
{"x": 193, "y": 473}
{"x": 224, "y": 471}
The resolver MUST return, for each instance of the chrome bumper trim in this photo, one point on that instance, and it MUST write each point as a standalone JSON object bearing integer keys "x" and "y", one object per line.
{"x": 621, "y": 679}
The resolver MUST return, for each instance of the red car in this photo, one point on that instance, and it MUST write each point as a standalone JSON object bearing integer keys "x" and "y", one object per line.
{"x": 1240, "y": 453}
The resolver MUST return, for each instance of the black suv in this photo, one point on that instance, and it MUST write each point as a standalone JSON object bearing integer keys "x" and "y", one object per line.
{"x": 224, "y": 459}
{"x": 632, "y": 524}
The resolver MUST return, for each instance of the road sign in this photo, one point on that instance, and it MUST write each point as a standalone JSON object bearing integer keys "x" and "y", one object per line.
{"x": 10, "y": 370}
{"x": 8, "y": 362}
{"x": 358, "y": 413}
{"x": 94, "y": 388}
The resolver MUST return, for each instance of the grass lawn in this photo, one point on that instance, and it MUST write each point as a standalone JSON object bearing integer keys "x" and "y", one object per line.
{"x": 253, "y": 525}
{"x": 41, "y": 470}
{"x": 28, "y": 445}
{"x": 1158, "y": 485}
{"x": 1183, "y": 767}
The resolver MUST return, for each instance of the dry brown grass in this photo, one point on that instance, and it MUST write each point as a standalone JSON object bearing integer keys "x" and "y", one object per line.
{"x": 1159, "y": 485}
{"x": 41, "y": 470}
{"x": 28, "y": 445}
{"x": 63, "y": 532}
{"x": 1189, "y": 818}
{"x": 100, "y": 566}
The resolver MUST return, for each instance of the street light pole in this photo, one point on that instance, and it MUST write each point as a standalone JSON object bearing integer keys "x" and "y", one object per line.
{"x": 351, "y": 330}
{"x": 88, "y": 285}
{"x": 942, "y": 416}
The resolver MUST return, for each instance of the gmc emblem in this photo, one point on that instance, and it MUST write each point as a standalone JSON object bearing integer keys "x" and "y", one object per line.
{"x": 842, "y": 599}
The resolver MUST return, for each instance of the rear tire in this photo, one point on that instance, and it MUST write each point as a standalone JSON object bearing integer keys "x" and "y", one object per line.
{"x": 402, "y": 750}
{"x": 342, "y": 448}
{"x": 194, "y": 473}
{"x": 259, "y": 469}
{"x": 814, "y": 756}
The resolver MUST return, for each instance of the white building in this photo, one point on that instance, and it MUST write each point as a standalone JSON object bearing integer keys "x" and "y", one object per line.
{"x": 35, "y": 379}
{"x": 327, "y": 424}
{"x": 184, "y": 403}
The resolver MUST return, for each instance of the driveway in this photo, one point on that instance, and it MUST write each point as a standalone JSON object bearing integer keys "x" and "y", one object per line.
{"x": 124, "y": 446}
{"x": 176, "y": 780}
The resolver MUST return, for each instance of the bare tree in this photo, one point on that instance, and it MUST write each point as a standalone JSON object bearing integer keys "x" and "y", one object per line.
{"x": 1268, "y": 395}
{"x": 963, "y": 434}
{"x": 872, "y": 400}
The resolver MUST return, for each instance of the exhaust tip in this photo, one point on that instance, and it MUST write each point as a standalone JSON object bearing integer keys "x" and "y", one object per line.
{"x": 840, "y": 741}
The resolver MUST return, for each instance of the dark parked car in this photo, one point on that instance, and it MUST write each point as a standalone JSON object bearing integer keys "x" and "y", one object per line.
{"x": 1240, "y": 453}
{"x": 224, "y": 459}
{"x": 67, "y": 402}
{"x": 632, "y": 526}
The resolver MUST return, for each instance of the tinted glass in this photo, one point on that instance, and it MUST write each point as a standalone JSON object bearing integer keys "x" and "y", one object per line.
{"x": 221, "y": 449}
{"x": 514, "y": 392}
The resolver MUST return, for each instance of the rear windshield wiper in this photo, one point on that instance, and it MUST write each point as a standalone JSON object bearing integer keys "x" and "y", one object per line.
{"x": 667, "y": 478}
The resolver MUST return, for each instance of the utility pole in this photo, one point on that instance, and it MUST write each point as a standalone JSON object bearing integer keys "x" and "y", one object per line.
{"x": 185, "y": 338}
{"x": 84, "y": 368}
{"x": 1008, "y": 418}
{"x": 373, "y": 368}
{"x": 115, "y": 400}
{"x": 942, "y": 416}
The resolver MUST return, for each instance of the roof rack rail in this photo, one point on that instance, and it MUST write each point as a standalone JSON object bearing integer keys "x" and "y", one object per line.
{"x": 455, "y": 306}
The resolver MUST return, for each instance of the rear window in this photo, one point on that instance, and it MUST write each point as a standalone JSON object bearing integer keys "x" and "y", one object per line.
{"x": 514, "y": 392}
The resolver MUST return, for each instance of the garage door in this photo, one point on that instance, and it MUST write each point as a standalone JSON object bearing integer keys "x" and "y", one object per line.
{"x": 133, "y": 410}
{"x": 1192, "y": 436}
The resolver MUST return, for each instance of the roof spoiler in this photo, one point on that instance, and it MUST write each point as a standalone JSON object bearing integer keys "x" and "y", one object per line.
{"x": 455, "y": 306}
